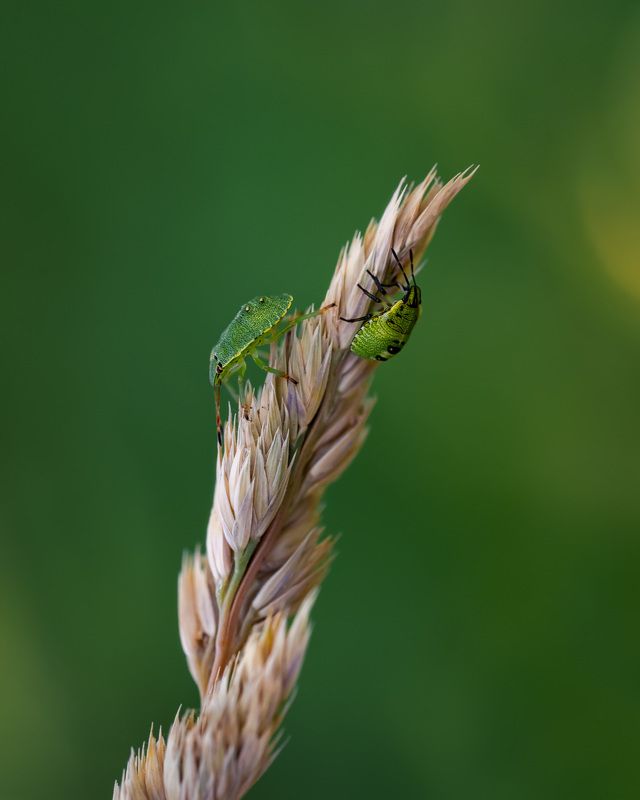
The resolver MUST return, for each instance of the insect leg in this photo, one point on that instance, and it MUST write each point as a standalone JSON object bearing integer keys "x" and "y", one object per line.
{"x": 241, "y": 373}
{"x": 382, "y": 287}
{"x": 301, "y": 318}
{"x": 372, "y": 296}
{"x": 357, "y": 319}
{"x": 263, "y": 365}
{"x": 216, "y": 394}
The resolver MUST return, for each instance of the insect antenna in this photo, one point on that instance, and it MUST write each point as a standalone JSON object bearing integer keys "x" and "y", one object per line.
{"x": 413, "y": 274}
{"x": 369, "y": 294}
{"x": 404, "y": 274}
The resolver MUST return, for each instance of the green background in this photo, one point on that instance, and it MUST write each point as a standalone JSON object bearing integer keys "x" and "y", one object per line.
{"x": 478, "y": 634}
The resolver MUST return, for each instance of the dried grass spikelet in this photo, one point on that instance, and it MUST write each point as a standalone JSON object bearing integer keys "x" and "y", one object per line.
{"x": 223, "y": 752}
{"x": 265, "y": 553}
{"x": 144, "y": 776}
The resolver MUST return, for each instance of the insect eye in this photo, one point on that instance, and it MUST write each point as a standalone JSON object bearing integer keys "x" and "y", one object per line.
{"x": 393, "y": 349}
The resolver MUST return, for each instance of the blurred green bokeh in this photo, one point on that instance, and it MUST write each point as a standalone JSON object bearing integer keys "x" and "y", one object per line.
{"x": 478, "y": 634}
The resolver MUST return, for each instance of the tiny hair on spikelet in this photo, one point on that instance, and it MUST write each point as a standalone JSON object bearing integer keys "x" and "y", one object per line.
{"x": 244, "y": 603}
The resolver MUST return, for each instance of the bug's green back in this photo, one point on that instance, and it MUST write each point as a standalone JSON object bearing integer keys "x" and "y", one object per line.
{"x": 385, "y": 334}
{"x": 254, "y": 319}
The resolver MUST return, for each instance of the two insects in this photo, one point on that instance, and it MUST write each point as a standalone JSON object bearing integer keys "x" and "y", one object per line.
{"x": 262, "y": 321}
{"x": 384, "y": 334}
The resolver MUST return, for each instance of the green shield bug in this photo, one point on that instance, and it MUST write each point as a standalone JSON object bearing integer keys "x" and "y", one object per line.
{"x": 383, "y": 335}
{"x": 257, "y": 323}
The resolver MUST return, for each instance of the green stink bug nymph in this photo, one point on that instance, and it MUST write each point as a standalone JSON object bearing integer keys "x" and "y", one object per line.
{"x": 256, "y": 323}
{"x": 384, "y": 334}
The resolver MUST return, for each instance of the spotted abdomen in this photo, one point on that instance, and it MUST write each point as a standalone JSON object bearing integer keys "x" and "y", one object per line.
{"x": 384, "y": 335}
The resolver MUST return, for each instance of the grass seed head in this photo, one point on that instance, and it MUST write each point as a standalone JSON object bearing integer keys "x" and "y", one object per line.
{"x": 265, "y": 553}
